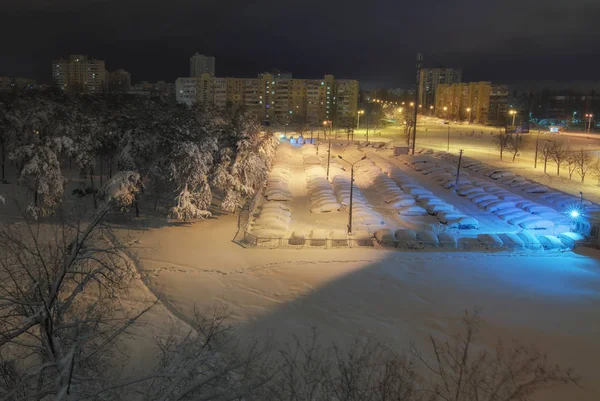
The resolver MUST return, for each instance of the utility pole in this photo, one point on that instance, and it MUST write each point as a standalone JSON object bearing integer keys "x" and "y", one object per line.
{"x": 458, "y": 170}
{"x": 448, "y": 149}
{"x": 537, "y": 141}
{"x": 311, "y": 136}
{"x": 368, "y": 109}
{"x": 351, "y": 189}
{"x": 328, "y": 158}
{"x": 415, "y": 109}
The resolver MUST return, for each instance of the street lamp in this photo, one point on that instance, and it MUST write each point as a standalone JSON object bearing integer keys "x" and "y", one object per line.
{"x": 445, "y": 110}
{"x": 330, "y": 123}
{"x": 469, "y": 111}
{"x": 589, "y": 117}
{"x": 359, "y": 113}
{"x": 351, "y": 188}
{"x": 514, "y": 114}
{"x": 412, "y": 104}
{"x": 431, "y": 110}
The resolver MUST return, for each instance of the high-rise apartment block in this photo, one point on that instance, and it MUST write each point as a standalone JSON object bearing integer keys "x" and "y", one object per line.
{"x": 79, "y": 74}
{"x": 481, "y": 102}
{"x": 429, "y": 80}
{"x": 201, "y": 64}
{"x": 119, "y": 81}
{"x": 277, "y": 98}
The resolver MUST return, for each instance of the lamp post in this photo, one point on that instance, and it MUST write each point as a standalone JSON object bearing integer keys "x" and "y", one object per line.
{"x": 351, "y": 188}
{"x": 589, "y": 117}
{"x": 330, "y": 123}
{"x": 431, "y": 110}
{"x": 469, "y": 111}
{"x": 445, "y": 112}
{"x": 514, "y": 114}
{"x": 359, "y": 113}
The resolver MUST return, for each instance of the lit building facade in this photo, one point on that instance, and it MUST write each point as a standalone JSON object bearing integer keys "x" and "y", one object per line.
{"x": 430, "y": 78}
{"x": 277, "y": 98}
{"x": 481, "y": 102}
{"x": 79, "y": 74}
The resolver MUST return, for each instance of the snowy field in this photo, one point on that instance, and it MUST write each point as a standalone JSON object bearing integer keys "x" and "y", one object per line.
{"x": 550, "y": 301}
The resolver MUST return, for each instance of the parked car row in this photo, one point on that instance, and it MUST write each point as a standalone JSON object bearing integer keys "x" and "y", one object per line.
{"x": 322, "y": 197}
{"x": 272, "y": 220}
{"x": 363, "y": 214}
{"x": 494, "y": 198}
{"x": 445, "y": 212}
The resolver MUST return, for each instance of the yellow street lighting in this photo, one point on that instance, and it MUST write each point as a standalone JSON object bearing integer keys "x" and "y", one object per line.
{"x": 430, "y": 107}
{"x": 400, "y": 109}
{"x": 514, "y": 114}
{"x": 445, "y": 108}
{"x": 412, "y": 104}
{"x": 361, "y": 112}
{"x": 468, "y": 109}
{"x": 420, "y": 105}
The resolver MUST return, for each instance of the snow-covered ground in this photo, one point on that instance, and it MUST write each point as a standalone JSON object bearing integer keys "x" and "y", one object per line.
{"x": 549, "y": 301}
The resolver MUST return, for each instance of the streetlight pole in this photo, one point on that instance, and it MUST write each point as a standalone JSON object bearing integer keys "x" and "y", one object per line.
{"x": 448, "y": 149}
{"x": 514, "y": 114}
{"x": 351, "y": 188}
{"x": 419, "y": 59}
{"x": 537, "y": 142}
{"x": 458, "y": 170}
{"x": 469, "y": 111}
{"x": 328, "y": 158}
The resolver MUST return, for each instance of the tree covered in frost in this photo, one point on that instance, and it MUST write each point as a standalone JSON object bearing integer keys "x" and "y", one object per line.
{"x": 41, "y": 173}
{"x": 243, "y": 166}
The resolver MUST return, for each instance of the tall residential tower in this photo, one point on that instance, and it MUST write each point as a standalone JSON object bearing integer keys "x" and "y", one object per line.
{"x": 201, "y": 64}
{"x": 79, "y": 74}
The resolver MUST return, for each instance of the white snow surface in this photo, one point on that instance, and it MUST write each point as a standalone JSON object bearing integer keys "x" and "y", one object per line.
{"x": 547, "y": 300}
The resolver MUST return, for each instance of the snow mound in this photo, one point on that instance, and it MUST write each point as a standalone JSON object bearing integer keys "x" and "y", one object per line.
{"x": 489, "y": 240}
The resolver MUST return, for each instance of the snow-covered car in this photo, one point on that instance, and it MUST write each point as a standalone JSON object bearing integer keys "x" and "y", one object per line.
{"x": 497, "y": 174}
{"x": 464, "y": 223}
{"x": 278, "y": 196}
{"x": 512, "y": 241}
{"x": 530, "y": 241}
{"x": 468, "y": 190}
{"x": 445, "y": 217}
{"x": 499, "y": 205}
{"x": 436, "y": 208}
{"x": 406, "y": 238}
{"x": 550, "y": 242}
{"x": 428, "y": 238}
{"x": 447, "y": 240}
{"x": 412, "y": 210}
{"x": 537, "y": 224}
{"x": 324, "y": 207}
{"x": 490, "y": 240}
{"x": 478, "y": 198}
{"x": 385, "y": 237}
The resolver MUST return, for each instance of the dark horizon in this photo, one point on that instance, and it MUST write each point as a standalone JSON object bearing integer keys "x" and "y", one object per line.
{"x": 375, "y": 43}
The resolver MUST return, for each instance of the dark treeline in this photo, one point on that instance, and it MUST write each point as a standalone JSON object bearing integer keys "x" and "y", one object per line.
{"x": 178, "y": 155}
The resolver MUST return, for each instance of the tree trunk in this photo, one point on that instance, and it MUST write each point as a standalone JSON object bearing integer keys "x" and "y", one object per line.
{"x": 35, "y": 198}
{"x": 582, "y": 177}
{"x": 3, "y": 153}
{"x": 545, "y": 165}
{"x": 137, "y": 207}
{"x": 93, "y": 190}
{"x": 557, "y": 169}
{"x": 101, "y": 169}
{"x": 110, "y": 163}
{"x": 514, "y": 157}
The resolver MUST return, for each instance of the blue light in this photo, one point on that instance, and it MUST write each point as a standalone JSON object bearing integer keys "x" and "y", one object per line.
{"x": 574, "y": 214}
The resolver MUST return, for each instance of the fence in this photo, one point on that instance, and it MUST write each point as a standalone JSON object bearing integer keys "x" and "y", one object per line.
{"x": 301, "y": 242}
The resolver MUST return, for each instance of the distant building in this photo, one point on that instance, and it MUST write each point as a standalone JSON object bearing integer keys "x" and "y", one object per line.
{"x": 201, "y": 64}
{"x": 119, "y": 81}
{"x": 429, "y": 80}
{"x": 79, "y": 74}
{"x": 279, "y": 99}
{"x": 481, "y": 102}
{"x": 10, "y": 84}
{"x": 154, "y": 89}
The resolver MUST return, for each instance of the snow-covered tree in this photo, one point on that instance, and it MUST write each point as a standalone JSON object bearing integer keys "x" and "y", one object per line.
{"x": 122, "y": 190}
{"x": 41, "y": 173}
{"x": 189, "y": 165}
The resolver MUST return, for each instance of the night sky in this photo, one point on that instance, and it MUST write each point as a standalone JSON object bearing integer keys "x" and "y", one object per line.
{"x": 374, "y": 41}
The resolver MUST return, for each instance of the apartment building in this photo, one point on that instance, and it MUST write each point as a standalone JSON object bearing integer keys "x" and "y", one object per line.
{"x": 276, "y": 97}
{"x": 479, "y": 102}
{"x": 201, "y": 64}
{"x": 78, "y": 74}
{"x": 430, "y": 78}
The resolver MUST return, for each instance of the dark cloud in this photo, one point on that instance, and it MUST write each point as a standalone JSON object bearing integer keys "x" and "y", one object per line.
{"x": 504, "y": 41}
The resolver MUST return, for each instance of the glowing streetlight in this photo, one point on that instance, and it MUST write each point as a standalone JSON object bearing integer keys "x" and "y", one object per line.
{"x": 514, "y": 114}
{"x": 589, "y": 117}
{"x": 359, "y": 113}
{"x": 469, "y": 111}
{"x": 412, "y": 104}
